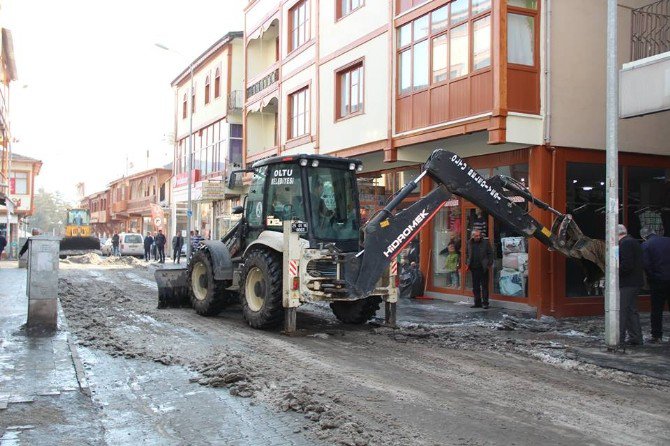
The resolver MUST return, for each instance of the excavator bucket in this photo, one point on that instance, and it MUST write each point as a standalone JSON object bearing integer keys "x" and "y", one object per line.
{"x": 72, "y": 246}
{"x": 590, "y": 253}
{"x": 173, "y": 287}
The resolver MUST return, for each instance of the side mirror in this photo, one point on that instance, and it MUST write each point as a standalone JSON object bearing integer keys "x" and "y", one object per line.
{"x": 237, "y": 210}
{"x": 232, "y": 179}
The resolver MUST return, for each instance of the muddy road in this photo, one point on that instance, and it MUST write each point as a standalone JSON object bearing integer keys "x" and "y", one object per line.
{"x": 512, "y": 382}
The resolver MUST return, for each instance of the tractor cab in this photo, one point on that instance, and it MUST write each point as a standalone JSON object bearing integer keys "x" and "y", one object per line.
{"x": 318, "y": 190}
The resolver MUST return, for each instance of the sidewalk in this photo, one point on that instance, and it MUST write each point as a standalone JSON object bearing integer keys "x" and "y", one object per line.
{"x": 43, "y": 391}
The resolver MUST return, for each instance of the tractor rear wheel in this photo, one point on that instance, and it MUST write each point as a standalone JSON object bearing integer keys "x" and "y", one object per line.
{"x": 208, "y": 296}
{"x": 357, "y": 311}
{"x": 261, "y": 289}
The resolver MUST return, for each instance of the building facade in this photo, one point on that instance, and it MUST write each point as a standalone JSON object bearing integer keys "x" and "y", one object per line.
{"x": 215, "y": 108}
{"x": 21, "y": 192}
{"x": 496, "y": 81}
{"x": 131, "y": 203}
{"x": 7, "y": 76}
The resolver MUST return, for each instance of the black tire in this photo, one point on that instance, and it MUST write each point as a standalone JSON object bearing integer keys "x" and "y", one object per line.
{"x": 208, "y": 296}
{"x": 261, "y": 298}
{"x": 357, "y": 311}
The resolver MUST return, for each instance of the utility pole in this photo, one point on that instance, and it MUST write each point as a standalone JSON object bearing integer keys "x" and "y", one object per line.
{"x": 612, "y": 184}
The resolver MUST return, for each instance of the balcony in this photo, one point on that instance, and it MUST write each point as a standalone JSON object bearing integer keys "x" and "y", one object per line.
{"x": 119, "y": 206}
{"x": 263, "y": 83}
{"x": 650, "y": 33}
{"x": 261, "y": 130}
{"x": 99, "y": 217}
{"x": 136, "y": 206}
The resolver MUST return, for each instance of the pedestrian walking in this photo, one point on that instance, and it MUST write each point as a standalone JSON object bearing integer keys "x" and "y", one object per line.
{"x": 656, "y": 260}
{"x": 148, "y": 241}
{"x": 160, "y": 245}
{"x": 630, "y": 282}
{"x": 177, "y": 244}
{"x": 479, "y": 261}
{"x": 115, "y": 245}
{"x": 3, "y": 243}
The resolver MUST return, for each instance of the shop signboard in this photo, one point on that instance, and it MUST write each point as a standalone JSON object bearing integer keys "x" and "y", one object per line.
{"x": 181, "y": 179}
{"x": 212, "y": 191}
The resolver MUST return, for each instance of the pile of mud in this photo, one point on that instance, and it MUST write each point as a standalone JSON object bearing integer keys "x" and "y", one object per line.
{"x": 96, "y": 259}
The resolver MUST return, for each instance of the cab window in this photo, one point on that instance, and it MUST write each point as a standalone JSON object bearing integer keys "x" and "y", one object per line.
{"x": 284, "y": 199}
{"x": 254, "y": 206}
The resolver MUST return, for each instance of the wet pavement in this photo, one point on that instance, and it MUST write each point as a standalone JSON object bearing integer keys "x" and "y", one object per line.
{"x": 53, "y": 392}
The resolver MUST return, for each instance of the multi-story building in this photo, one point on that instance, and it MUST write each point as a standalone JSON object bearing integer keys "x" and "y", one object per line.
{"x": 21, "y": 193}
{"x": 516, "y": 87}
{"x": 132, "y": 200}
{"x": 7, "y": 76}
{"x": 215, "y": 108}
{"x": 100, "y": 213}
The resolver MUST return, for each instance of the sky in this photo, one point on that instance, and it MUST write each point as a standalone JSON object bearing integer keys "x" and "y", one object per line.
{"x": 93, "y": 93}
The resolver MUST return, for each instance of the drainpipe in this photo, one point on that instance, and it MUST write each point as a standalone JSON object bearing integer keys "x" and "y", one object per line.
{"x": 547, "y": 74}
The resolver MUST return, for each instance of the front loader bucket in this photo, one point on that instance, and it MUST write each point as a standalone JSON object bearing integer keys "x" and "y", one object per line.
{"x": 590, "y": 253}
{"x": 72, "y": 246}
{"x": 173, "y": 287}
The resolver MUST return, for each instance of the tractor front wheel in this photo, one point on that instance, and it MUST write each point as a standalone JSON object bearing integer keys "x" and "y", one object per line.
{"x": 261, "y": 289}
{"x": 208, "y": 295}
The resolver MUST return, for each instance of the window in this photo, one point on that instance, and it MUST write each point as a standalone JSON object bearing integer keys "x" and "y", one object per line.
{"x": 19, "y": 183}
{"x": 440, "y": 46}
{"x": 298, "y": 25}
{"x": 350, "y": 90}
{"x": 236, "y": 144}
{"x": 520, "y": 39}
{"x": 285, "y": 200}
{"x": 184, "y": 107}
{"x": 346, "y": 7}
{"x": 193, "y": 100}
{"x": 299, "y": 113}
{"x": 333, "y": 210}
{"x": 207, "y": 82}
{"x": 217, "y": 83}
{"x": 254, "y": 205}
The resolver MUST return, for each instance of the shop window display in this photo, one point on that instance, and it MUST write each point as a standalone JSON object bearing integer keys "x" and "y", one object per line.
{"x": 585, "y": 200}
{"x": 445, "y": 259}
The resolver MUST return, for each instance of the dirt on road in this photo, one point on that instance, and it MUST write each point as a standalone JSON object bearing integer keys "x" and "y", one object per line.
{"x": 510, "y": 382}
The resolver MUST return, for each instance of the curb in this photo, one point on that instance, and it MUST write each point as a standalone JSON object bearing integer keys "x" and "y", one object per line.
{"x": 74, "y": 354}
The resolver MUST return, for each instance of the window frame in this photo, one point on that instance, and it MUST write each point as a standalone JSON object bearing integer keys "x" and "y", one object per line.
{"x": 26, "y": 178}
{"x": 358, "y": 64}
{"x": 193, "y": 98}
{"x": 184, "y": 107}
{"x": 339, "y": 14}
{"x": 535, "y": 14}
{"x": 430, "y": 36}
{"x": 217, "y": 83}
{"x": 306, "y": 23}
{"x": 207, "y": 88}
{"x": 292, "y": 96}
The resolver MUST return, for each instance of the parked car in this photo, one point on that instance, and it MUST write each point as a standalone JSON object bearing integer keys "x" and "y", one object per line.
{"x": 106, "y": 247}
{"x": 131, "y": 244}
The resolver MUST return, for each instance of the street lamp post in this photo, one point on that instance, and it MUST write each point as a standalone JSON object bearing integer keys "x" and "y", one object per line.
{"x": 189, "y": 159}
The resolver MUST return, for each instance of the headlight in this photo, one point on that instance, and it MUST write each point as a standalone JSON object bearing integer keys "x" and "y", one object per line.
{"x": 303, "y": 162}
{"x": 315, "y": 163}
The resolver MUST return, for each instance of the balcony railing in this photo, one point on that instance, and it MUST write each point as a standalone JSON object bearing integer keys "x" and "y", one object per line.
{"x": 235, "y": 100}
{"x": 650, "y": 30}
{"x": 263, "y": 83}
{"x": 120, "y": 206}
{"x": 139, "y": 204}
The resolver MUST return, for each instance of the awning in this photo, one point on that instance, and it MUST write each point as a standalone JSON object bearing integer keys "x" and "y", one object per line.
{"x": 264, "y": 27}
{"x": 263, "y": 102}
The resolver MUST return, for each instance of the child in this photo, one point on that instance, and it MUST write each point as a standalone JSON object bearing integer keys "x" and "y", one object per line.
{"x": 452, "y": 266}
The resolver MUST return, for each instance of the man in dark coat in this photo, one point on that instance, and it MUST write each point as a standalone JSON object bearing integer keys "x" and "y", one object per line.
{"x": 3, "y": 243}
{"x": 177, "y": 244}
{"x": 148, "y": 241}
{"x": 656, "y": 259}
{"x": 160, "y": 245}
{"x": 630, "y": 282}
{"x": 479, "y": 261}
{"x": 115, "y": 245}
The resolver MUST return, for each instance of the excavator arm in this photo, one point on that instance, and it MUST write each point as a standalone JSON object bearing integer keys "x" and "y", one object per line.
{"x": 386, "y": 234}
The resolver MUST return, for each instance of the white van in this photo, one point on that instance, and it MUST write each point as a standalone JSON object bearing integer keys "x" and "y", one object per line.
{"x": 131, "y": 244}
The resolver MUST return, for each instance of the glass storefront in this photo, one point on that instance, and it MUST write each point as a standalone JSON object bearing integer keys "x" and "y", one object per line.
{"x": 452, "y": 228}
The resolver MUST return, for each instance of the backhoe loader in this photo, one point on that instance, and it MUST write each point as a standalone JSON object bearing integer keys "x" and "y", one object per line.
{"x": 300, "y": 239}
{"x": 78, "y": 239}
